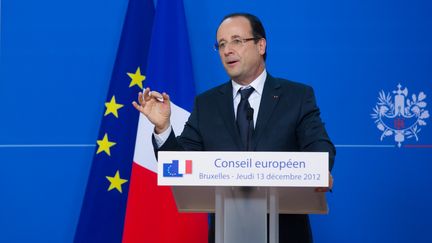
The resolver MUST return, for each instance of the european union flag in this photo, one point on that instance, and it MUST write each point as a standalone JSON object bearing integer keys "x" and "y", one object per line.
{"x": 104, "y": 206}
{"x": 172, "y": 170}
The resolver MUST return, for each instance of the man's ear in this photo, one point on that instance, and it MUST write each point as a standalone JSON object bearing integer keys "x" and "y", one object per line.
{"x": 262, "y": 44}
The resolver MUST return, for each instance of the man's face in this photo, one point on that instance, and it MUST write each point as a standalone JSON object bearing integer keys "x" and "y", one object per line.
{"x": 243, "y": 62}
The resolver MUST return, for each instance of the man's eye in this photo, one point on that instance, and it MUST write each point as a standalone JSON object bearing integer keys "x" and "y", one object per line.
{"x": 236, "y": 41}
{"x": 222, "y": 45}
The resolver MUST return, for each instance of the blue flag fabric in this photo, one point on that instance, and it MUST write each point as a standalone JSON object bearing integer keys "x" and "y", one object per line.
{"x": 104, "y": 205}
{"x": 170, "y": 64}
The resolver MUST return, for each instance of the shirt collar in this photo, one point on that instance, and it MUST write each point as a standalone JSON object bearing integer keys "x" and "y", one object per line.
{"x": 257, "y": 84}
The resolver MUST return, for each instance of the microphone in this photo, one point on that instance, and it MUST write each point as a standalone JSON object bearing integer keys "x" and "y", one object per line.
{"x": 249, "y": 117}
{"x": 249, "y": 114}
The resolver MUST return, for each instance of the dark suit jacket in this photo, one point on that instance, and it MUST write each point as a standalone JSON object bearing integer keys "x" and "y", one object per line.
{"x": 288, "y": 120}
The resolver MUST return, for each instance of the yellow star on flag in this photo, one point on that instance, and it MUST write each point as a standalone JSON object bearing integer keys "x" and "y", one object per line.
{"x": 112, "y": 107}
{"x": 105, "y": 145}
{"x": 116, "y": 182}
{"x": 137, "y": 78}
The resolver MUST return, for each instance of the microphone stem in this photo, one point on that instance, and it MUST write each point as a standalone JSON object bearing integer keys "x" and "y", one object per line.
{"x": 247, "y": 137}
{"x": 250, "y": 125}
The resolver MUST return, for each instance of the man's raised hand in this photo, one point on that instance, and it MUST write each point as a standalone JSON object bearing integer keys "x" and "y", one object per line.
{"x": 156, "y": 107}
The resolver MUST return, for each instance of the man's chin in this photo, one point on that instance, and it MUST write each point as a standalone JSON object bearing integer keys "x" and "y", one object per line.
{"x": 232, "y": 74}
{"x": 234, "y": 77}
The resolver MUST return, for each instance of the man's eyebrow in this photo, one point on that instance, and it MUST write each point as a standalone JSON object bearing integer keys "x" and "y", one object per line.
{"x": 222, "y": 39}
{"x": 232, "y": 37}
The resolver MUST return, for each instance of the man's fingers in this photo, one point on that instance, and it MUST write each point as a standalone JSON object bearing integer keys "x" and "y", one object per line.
{"x": 149, "y": 98}
{"x": 146, "y": 95}
{"x": 321, "y": 189}
{"x": 156, "y": 95}
{"x": 330, "y": 181}
{"x": 165, "y": 97}
{"x": 138, "y": 107}
{"x": 149, "y": 95}
{"x": 141, "y": 98}
{"x": 326, "y": 189}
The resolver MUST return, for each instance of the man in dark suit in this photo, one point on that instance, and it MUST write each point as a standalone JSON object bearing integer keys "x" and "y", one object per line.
{"x": 253, "y": 111}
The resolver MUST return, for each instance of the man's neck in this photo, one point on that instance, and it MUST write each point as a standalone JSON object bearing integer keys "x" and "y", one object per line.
{"x": 249, "y": 80}
{"x": 257, "y": 84}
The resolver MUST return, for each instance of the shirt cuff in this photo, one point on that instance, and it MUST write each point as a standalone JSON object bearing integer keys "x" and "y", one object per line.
{"x": 162, "y": 137}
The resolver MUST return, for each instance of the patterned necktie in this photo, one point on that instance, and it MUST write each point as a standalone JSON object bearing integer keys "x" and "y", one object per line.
{"x": 245, "y": 117}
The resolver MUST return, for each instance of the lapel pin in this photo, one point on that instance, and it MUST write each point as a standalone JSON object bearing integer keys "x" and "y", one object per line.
{"x": 275, "y": 97}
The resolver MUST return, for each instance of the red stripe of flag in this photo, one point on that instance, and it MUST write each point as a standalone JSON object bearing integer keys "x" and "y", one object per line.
{"x": 188, "y": 167}
{"x": 152, "y": 214}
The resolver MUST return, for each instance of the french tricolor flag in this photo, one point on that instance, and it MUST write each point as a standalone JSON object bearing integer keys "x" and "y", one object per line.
{"x": 151, "y": 209}
{"x": 185, "y": 167}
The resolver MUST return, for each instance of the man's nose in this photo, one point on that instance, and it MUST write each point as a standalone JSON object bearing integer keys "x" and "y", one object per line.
{"x": 228, "y": 50}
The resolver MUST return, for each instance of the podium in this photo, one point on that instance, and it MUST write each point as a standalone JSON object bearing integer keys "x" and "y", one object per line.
{"x": 242, "y": 188}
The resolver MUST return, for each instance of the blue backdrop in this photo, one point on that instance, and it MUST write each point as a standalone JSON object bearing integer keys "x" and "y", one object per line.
{"x": 56, "y": 59}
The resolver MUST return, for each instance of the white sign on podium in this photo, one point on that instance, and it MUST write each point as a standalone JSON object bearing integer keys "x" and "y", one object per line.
{"x": 268, "y": 169}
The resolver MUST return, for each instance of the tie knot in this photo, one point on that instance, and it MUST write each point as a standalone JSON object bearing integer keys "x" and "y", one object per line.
{"x": 245, "y": 93}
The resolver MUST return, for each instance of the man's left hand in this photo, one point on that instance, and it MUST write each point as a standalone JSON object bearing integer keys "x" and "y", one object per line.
{"x": 326, "y": 189}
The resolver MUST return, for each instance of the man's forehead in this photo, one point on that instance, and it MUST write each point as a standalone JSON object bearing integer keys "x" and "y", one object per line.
{"x": 232, "y": 37}
{"x": 234, "y": 27}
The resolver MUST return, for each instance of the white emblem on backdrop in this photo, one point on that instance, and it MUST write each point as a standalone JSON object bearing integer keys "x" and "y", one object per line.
{"x": 400, "y": 116}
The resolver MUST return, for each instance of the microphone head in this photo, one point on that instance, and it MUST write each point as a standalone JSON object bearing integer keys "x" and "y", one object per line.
{"x": 249, "y": 113}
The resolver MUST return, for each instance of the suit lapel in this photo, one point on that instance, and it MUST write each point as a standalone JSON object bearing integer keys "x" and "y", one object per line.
{"x": 226, "y": 108}
{"x": 270, "y": 97}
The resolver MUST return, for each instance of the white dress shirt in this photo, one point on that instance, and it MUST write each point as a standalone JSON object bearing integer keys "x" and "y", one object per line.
{"x": 254, "y": 98}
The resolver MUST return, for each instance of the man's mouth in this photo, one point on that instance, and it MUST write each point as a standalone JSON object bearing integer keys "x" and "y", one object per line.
{"x": 232, "y": 62}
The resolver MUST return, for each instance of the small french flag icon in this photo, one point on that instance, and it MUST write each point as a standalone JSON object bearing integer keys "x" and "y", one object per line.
{"x": 185, "y": 166}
